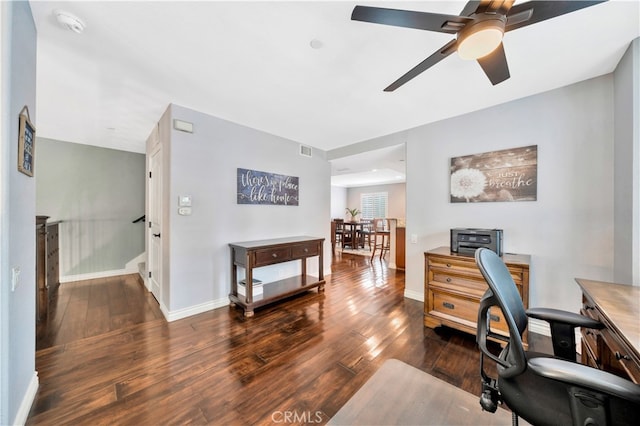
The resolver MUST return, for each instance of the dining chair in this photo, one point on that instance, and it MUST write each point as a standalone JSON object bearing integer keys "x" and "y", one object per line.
{"x": 337, "y": 230}
{"x": 366, "y": 232}
{"x": 381, "y": 237}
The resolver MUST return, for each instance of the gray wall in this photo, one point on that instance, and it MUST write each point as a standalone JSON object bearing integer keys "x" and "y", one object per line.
{"x": 568, "y": 231}
{"x": 96, "y": 193}
{"x": 396, "y": 193}
{"x": 626, "y": 170}
{"x": 18, "y": 379}
{"x": 338, "y": 202}
{"x": 204, "y": 165}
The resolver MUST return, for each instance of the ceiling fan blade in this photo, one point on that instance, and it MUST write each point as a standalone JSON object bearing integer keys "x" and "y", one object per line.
{"x": 494, "y": 6}
{"x": 495, "y": 65}
{"x": 541, "y": 11}
{"x": 472, "y": 6}
{"x": 446, "y": 50}
{"x": 409, "y": 19}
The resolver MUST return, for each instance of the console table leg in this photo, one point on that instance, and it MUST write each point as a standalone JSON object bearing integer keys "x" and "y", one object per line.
{"x": 248, "y": 313}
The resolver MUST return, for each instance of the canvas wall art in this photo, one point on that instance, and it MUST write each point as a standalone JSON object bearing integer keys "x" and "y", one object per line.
{"x": 256, "y": 187}
{"x": 507, "y": 175}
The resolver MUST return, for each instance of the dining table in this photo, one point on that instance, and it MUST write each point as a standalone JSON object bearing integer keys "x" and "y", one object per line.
{"x": 353, "y": 235}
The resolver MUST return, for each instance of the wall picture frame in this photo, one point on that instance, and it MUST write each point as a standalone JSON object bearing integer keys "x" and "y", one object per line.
{"x": 266, "y": 188}
{"x": 26, "y": 144}
{"x": 498, "y": 176}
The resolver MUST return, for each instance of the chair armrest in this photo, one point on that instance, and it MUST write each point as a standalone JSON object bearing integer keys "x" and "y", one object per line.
{"x": 588, "y": 377}
{"x": 565, "y": 317}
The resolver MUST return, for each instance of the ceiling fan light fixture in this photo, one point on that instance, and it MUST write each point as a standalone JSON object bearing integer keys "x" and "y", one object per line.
{"x": 481, "y": 39}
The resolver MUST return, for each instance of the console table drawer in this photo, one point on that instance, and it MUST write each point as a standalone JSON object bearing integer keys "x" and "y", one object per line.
{"x": 304, "y": 250}
{"x": 271, "y": 256}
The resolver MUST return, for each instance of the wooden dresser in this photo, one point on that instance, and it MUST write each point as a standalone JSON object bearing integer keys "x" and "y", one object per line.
{"x": 47, "y": 264}
{"x": 453, "y": 287}
{"x": 254, "y": 254}
{"x": 616, "y": 347}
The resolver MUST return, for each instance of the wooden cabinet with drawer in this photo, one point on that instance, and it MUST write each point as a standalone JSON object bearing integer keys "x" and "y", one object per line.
{"x": 616, "y": 347}
{"x": 453, "y": 287}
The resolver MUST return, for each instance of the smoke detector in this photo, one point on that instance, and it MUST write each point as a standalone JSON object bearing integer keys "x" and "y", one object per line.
{"x": 69, "y": 21}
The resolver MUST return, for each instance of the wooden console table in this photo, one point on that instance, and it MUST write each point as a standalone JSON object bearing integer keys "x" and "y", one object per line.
{"x": 615, "y": 348}
{"x": 254, "y": 254}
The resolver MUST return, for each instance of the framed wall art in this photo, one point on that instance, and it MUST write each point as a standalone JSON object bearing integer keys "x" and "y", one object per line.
{"x": 26, "y": 144}
{"x": 507, "y": 175}
{"x": 256, "y": 187}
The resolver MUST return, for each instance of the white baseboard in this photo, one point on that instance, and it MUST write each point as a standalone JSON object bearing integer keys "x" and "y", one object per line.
{"x": 94, "y": 275}
{"x": 133, "y": 263}
{"x": 415, "y": 295}
{"x": 27, "y": 401}
{"x": 194, "y": 310}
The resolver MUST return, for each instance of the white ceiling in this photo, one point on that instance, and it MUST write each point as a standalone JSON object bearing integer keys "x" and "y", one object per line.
{"x": 375, "y": 167}
{"x": 252, "y": 63}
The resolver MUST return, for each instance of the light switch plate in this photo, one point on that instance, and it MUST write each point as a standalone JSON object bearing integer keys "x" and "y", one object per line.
{"x": 184, "y": 211}
{"x": 184, "y": 201}
{"x": 15, "y": 278}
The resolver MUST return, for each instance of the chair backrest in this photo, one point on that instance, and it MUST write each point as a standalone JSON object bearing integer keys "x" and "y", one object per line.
{"x": 339, "y": 224}
{"x": 380, "y": 225}
{"x": 504, "y": 294}
{"x": 367, "y": 225}
{"x": 333, "y": 232}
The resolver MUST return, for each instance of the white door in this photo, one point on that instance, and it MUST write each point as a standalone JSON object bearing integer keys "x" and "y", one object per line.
{"x": 155, "y": 223}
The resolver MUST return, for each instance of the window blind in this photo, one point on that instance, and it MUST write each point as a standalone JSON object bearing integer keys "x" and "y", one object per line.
{"x": 373, "y": 205}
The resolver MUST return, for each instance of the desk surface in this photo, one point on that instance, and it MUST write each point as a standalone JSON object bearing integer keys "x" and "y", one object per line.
{"x": 620, "y": 304}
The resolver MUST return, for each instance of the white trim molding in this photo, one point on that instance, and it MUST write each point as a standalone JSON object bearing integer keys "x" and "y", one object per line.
{"x": 194, "y": 310}
{"x": 27, "y": 401}
{"x": 94, "y": 275}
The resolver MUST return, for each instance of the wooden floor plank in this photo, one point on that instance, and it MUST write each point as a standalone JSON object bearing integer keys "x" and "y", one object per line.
{"x": 107, "y": 356}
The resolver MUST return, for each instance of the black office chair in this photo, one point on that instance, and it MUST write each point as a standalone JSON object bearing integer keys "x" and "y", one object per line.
{"x": 545, "y": 389}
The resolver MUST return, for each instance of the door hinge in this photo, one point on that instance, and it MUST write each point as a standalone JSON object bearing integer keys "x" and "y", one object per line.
{"x": 149, "y": 175}
{"x": 149, "y": 274}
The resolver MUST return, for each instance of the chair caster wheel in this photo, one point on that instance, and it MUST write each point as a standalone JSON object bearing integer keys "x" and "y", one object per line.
{"x": 488, "y": 402}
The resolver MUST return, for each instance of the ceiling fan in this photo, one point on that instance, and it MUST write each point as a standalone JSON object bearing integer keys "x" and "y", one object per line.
{"x": 479, "y": 29}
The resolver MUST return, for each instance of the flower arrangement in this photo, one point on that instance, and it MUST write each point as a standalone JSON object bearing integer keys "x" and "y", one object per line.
{"x": 353, "y": 213}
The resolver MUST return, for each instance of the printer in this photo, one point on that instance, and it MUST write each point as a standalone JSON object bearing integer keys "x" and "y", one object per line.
{"x": 467, "y": 240}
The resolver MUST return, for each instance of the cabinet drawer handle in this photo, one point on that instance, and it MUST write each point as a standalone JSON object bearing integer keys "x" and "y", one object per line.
{"x": 448, "y": 279}
{"x": 274, "y": 255}
{"x": 306, "y": 250}
{"x": 448, "y": 305}
{"x": 494, "y": 318}
{"x": 448, "y": 265}
{"x": 619, "y": 356}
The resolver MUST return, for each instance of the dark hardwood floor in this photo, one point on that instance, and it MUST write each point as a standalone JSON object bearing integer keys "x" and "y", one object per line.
{"x": 108, "y": 357}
